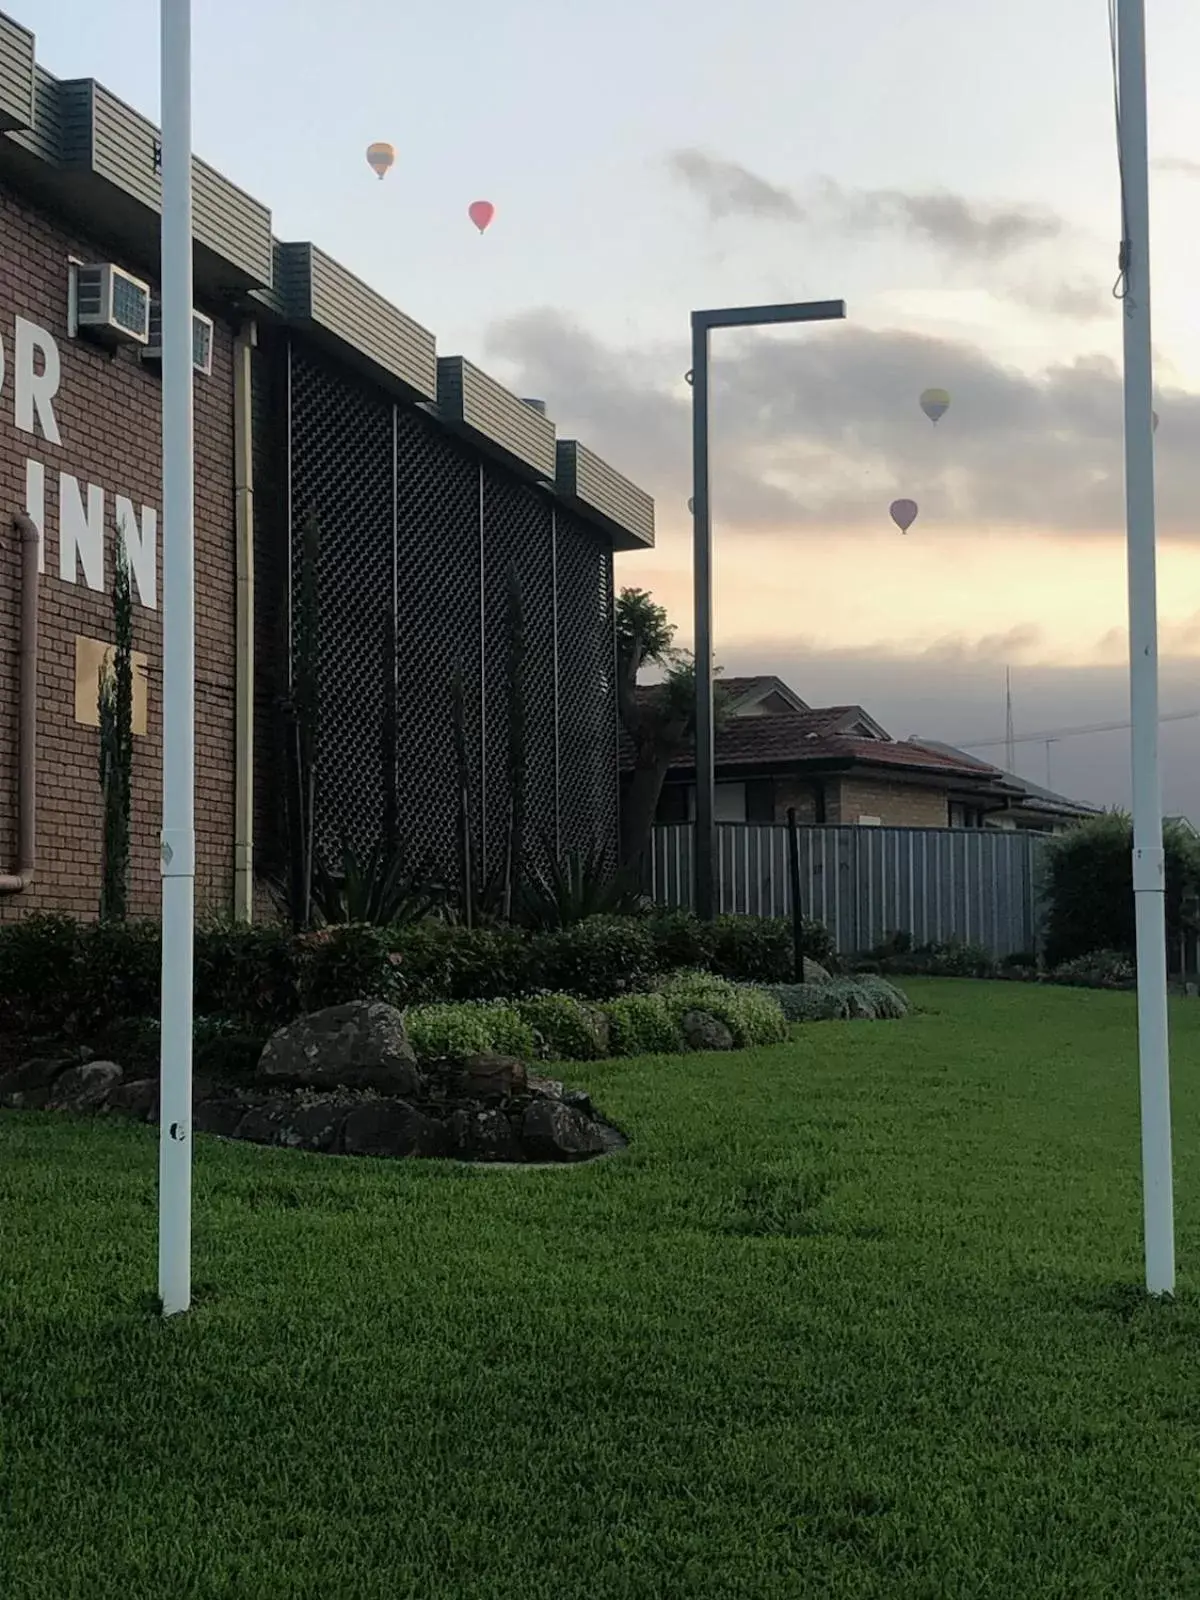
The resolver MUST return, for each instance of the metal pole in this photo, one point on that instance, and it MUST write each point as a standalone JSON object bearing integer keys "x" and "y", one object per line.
{"x": 706, "y": 778}
{"x": 1148, "y": 859}
{"x": 178, "y": 825}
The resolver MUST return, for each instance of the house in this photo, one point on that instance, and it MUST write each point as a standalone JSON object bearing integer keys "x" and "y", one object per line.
{"x": 837, "y": 764}
{"x": 317, "y": 402}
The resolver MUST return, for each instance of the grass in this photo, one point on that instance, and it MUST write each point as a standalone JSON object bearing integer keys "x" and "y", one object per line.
{"x": 853, "y": 1317}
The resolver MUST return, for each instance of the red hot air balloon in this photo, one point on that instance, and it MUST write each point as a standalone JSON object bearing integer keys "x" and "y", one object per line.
{"x": 381, "y": 158}
{"x": 481, "y": 213}
{"x": 904, "y": 513}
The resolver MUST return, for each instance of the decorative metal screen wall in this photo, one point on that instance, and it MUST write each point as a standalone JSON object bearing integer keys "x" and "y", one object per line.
{"x": 342, "y": 471}
{"x": 587, "y": 699}
{"x": 438, "y": 609}
{"x": 518, "y": 534}
{"x": 418, "y": 534}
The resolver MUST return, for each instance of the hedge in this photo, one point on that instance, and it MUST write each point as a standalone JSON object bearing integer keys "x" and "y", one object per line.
{"x": 58, "y": 975}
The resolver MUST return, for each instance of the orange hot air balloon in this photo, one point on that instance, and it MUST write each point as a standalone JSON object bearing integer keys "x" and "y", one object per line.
{"x": 381, "y": 158}
{"x": 481, "y": 213}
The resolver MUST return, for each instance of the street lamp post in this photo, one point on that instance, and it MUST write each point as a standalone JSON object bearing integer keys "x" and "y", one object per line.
{"x": 703, "y": 322}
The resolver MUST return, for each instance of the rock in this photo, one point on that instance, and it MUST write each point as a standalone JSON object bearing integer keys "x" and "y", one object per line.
{"x": 580, "y": 1099}
{"x": 548, "y": 1088}
{"x": 220, "y": 1115}
{"x": 85, "y": 1087}
{"x": 137, "y": 1098}
{"x": 703, "y": 1032}
{"x": 392, "y": 1128}
{"x": 360, "y": 1045}
{"x": 491, "y": 1077}
{"x": 814, "y": 972}
{"x": 551, "y": 1131}
{"x": 19, "y": 1083}
{"x": 484, "y": 1136}
{"x": 294, "y": 1124}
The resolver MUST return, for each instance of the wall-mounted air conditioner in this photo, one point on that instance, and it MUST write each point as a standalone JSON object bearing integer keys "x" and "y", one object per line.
{"x": 111, "y": 305}
{"x": 202, "y": 340}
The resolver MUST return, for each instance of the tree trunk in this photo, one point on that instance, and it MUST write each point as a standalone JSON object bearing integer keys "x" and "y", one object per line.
{"x": 639, "y": 806}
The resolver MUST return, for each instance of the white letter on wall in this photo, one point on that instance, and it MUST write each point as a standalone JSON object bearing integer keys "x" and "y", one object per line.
{"x": 80, "y": 533}
{"x": 141, "y": 545}
{"x": 36, "y": 390}
{"x": 35, "y": 505}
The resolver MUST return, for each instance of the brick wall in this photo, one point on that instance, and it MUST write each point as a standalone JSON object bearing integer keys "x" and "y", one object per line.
{"x": 801, "y": 794}
{"x": 108, "y": 415}
{"x": 897, "y": 805}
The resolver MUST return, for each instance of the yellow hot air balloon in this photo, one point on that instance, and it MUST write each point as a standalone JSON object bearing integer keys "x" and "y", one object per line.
{"x": 935, "y": 403}
{"x": 381, "y": 158}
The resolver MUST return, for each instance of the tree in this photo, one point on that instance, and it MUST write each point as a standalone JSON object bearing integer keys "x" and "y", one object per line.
{"x": 660, "y": 719}
{"x": 116, "y": 747}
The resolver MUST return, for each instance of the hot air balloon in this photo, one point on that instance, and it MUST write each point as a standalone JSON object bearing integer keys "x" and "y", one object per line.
{"x": 481, "y": 213}
{"x": 935, "y": 403}
{"x": 904, "y": 513}
{"x": 381, "y": 158}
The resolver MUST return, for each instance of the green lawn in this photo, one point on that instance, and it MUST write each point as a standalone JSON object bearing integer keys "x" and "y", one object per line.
{"x": 853, "y": 1317}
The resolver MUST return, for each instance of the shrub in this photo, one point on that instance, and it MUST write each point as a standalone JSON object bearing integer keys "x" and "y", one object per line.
{"x": 681, "y": 941}
{"x": 1088, "y": 887}
{"x": 642, "y": 1025}
{"x": 509, "y": 1033}
{"x": 840, "y": 1000}
{"x": 569, "y": 1029}
{"x": 439, "y": 962}
{"x": 1099, "y": 969}
{"x": 449, "y": 1030}
{"x": 595, "y": 960}
{"x": 752, "y": 1015}
{"x": 761, "y": 949}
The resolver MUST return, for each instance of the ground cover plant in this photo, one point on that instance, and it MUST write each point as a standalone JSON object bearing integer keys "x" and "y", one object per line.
{"x": 858, "y": 1320}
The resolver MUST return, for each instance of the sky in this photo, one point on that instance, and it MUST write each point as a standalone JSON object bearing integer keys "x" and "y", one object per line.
{"x": 947, "y": 167}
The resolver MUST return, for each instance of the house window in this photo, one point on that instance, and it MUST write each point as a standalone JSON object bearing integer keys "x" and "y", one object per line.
{"x": 673, "y": 803}
{"x": 729, "y": 803}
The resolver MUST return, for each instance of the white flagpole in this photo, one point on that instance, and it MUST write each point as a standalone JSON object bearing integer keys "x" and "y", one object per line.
{"x": 1148, "y": 859}
{"x": 178, "y": 624}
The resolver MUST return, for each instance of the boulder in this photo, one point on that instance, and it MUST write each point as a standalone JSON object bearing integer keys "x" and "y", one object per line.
{"x": 484, "y": 1135}
{"x": 491, "y": 1077}
{"x": 814, "y": 972}
{"x": 85, "y": 1087}
{"x": 221, "y": 1114}
{"x": 29, "y": 1084}
{"x": 360, "y": 1045}
{"x": 552, "y": 1131}
{"x": 548, "y": 1088}
{"x": 294, "y": 1124}
{"x": 137, "y": 1098}
{"x": 704, "y": 1032}
{"x": 580, "y": 1099}
{"x": 392, "y": 1128}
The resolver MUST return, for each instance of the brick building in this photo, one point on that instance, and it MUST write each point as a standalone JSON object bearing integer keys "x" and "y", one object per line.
{"x": 431, "y": 486}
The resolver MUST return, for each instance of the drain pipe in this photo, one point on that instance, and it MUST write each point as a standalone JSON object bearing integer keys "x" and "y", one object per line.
{"x": 20, "y": 880}
{"x": 243, "y": 838}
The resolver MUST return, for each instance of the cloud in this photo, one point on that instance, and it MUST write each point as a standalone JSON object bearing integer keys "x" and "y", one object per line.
{"x": 965, "y": 229}
{"x": 730, "y": 190}
{"x": 1178, "y": 164}
{"x": 816, "y": 431}
{"x": 1079, "y": 300}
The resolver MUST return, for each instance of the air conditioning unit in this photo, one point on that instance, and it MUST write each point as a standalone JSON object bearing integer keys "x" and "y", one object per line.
{"x": 111, "y": 305}
{"x": 202, "y": 339}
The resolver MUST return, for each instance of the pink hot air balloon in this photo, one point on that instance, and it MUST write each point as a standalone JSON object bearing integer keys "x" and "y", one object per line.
{"x": 904, "y": 513}
{"x": 481, "y": 213}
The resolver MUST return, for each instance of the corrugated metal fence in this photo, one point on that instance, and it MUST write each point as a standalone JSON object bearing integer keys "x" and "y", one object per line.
{"x": 968, "y": 884}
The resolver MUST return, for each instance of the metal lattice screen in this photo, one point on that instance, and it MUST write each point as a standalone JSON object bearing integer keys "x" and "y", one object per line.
{"x": 587, "y": 687}
{"x": 438, "y": 629}
{"x": 341, "y": 455}
{"x": 518, "y": 532}
{"x": 417, "y": 537}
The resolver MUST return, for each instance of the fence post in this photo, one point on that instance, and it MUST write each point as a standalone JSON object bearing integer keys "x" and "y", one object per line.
{"x": 797, "y": 907}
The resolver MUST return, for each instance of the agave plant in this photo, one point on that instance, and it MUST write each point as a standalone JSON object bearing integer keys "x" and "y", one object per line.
{"x": 381, "y": 888}
{"x": 571, "y": 888}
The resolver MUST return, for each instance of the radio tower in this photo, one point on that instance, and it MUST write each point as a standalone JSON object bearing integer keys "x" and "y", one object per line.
{"x": 1010, "y": 738}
